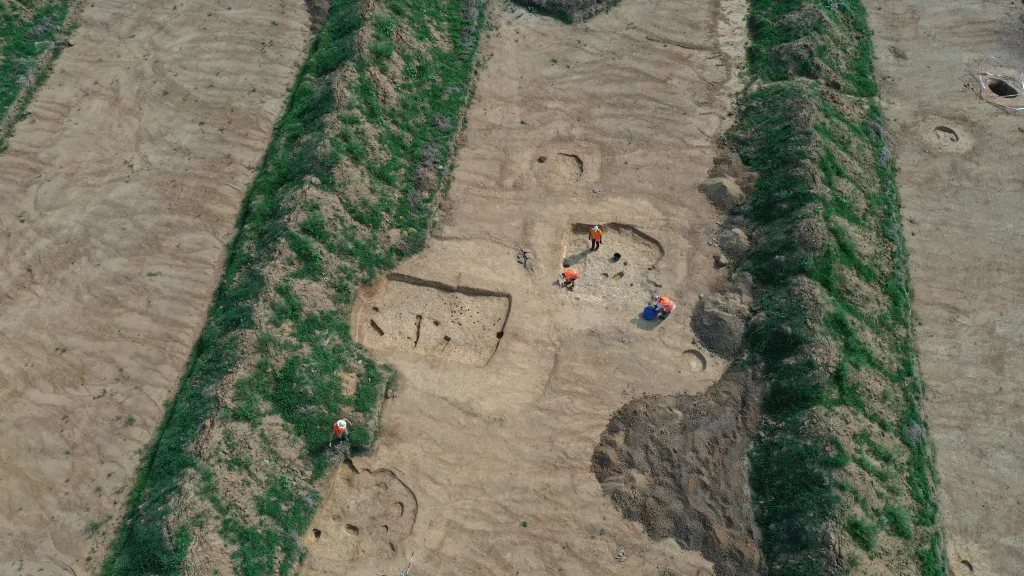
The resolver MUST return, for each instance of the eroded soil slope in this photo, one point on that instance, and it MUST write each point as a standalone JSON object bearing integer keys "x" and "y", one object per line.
{"x": 118, "y": 194}
{"x": 961, "y": 182}
{"x": 611, "y": 122}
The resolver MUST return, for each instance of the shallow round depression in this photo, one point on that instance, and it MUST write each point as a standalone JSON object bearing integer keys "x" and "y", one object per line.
{"x": 694, "y": 360}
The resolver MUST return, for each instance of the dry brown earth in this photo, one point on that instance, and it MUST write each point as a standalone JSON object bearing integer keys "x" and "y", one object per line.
{"x": 961, "y": 184}
{"x": 491, "y": 463}
{"x": 117, "y": 196}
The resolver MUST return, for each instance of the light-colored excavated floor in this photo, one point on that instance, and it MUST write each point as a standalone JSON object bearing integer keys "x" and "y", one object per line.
{"x": 609, "y": 280}
{"x": 963, "y": 206}
{"x": 118, "y": 194}
{"x": 447, "y": 322}
{"x": 498, "y": 456}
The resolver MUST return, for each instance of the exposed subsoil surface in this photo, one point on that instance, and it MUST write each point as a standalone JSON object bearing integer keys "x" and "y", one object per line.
{"x": 499, "y": 456}
{"x": 678, "y": 464}
{"x": 119, "y": 192}
{"x": 447, "y": 322}
{"x": 373, "y": 512}
{"x": 607, "y": 278}
{"x": 960, "y": 182}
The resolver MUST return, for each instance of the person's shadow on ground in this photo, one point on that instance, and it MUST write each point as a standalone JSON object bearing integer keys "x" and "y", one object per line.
{"x": 639, "y": 322}
{"x": 575, "y": 258}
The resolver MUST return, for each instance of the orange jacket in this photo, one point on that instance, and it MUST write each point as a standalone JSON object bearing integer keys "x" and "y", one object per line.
{"x": 666, "y": 303}
{"x": 595, "y": 234}
{"x": 571, "y": 274}
{"x": 340, "y": 427}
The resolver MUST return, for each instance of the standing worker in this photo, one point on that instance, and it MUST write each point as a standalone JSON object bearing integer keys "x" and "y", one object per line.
{"x": 569, "y": 277}
{"x": 595, "y": 237}
{"x": 663, "y": 305}
{"x": 340, "y": 432}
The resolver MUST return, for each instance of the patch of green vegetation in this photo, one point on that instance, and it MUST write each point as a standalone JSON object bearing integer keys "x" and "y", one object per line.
{"x": 347, "y": 188}
{"x": 27, "y": 30}
{"x": 814, "y": 132}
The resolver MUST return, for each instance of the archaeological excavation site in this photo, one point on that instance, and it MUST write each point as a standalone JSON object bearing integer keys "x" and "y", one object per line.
{"x": 511, "y": 288}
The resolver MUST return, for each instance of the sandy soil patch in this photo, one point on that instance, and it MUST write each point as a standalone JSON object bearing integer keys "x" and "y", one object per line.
{"x": 960, "y": 183}
{"x": 499, "y": 456}
{"x": 453, "y": 323}
{"x": 119, "y": 192}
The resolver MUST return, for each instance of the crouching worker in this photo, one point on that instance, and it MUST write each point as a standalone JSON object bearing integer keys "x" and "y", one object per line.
{"x": 663, "y": 306}
{"x": 340, "y": 432}
{"x": 569, "y": 277}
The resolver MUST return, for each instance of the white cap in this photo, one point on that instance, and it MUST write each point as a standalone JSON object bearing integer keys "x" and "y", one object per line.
{"x": 342, "y": 424}
{"x": 595, "y": 227}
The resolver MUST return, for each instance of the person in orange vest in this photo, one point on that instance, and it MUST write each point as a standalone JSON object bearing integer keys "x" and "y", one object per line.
{"x": 569, "y": 277}
{"x": 663, "y": 305}
{"x": 595, "y": 237}
{"x": 340, "y": 432}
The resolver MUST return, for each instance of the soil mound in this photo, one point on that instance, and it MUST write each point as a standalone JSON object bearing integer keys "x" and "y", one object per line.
{"x": 678, "y": 465}
{"x": 724, "y": 193}
{"x": 733, "y": 242}
{"x": 719, "y": 321}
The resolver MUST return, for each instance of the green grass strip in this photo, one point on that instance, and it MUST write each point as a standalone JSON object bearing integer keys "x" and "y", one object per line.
{"x": 330, "y": 132}
{"x": 27, "y": 30}
{"x": 814, "y": 132}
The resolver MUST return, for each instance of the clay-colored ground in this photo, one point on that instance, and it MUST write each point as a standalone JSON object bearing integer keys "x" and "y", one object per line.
{"x": 962, "y": 205}
{"x": 117, "y": 196}
{"x": 494, "y": 460}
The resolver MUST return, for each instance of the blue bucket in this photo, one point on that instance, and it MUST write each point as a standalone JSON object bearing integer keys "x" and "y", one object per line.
{"x": 650, "y": 313}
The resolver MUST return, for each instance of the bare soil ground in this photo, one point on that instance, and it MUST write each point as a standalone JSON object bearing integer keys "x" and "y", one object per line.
{"x": 960, "y": 183}
{"x": 491, "y": 463}
{"x": 119, "y": 192}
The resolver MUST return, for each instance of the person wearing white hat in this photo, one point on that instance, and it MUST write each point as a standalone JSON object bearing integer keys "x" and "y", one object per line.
{"x": 340, "y": 432}
{"x": 595, "y": 237}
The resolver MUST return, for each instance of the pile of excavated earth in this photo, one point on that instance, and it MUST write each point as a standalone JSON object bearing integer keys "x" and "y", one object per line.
{"x": 185, "y": 320}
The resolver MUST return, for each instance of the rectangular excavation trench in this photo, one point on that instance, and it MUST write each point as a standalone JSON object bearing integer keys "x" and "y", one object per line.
{"x": 451, "y": 323}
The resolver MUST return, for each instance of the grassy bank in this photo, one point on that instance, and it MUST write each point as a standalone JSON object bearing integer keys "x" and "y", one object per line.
{"x": 842, "y": 472}
{"x": 347, "y": 188}
{"x": 29, "y": 31}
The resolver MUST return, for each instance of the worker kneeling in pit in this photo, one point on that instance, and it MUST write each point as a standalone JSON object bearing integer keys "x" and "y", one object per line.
{"x": 569, "y": 277}
{"x": 340, "y": 432}
{"x": 663, "y": 306}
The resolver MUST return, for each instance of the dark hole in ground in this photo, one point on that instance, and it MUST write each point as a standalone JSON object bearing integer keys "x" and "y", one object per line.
{"x": 436, "y": 323}
{"x": 316, "y": 533}
{"x": 501, "y": 335}
{"x": 1001, "y": 88}
{"x": 447, "y": 338}
{"x": 968, "y": 565}
{"x": 949, "y": 133}
{"x": 378, "y": 329}
{"x": 352, "y": 529}
{"x": 375, "y": 309}
{"x": 616, "y": 256}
